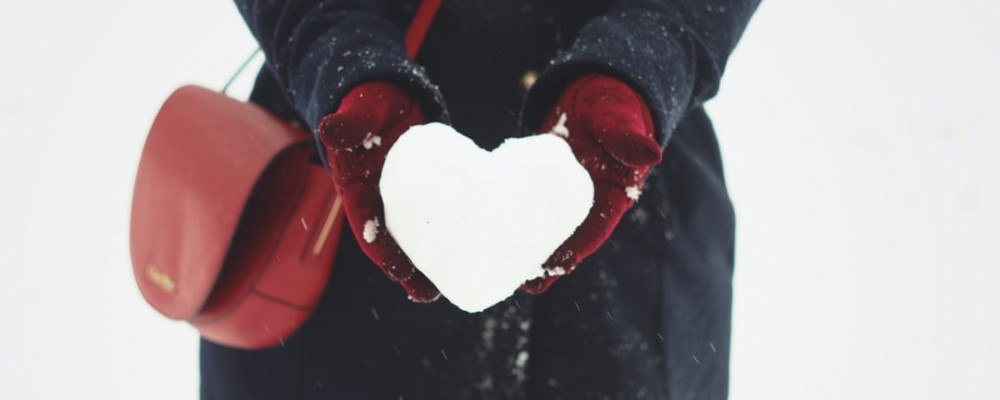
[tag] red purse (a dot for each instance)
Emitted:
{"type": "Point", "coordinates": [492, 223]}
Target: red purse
{"type": "Point", "coordinates": [233, 229]}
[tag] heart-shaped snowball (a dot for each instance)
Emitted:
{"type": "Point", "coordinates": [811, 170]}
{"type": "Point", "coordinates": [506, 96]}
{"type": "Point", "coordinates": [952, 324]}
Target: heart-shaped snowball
{"type": "Point", "coordinates": [481, 223]}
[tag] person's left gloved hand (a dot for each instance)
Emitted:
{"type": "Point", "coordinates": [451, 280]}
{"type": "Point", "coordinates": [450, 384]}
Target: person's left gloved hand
{"type": "Point", "coordinates": [356, 139]}
{"type": "Point", "coordinates": [609, 128]}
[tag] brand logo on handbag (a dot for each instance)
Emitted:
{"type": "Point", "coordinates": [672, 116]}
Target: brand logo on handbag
{"type": "Point", "coordinates": [160, 278]}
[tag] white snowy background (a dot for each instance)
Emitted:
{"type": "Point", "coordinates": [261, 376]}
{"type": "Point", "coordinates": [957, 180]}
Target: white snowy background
{"type": "Point", "coordinates": [861, 143]}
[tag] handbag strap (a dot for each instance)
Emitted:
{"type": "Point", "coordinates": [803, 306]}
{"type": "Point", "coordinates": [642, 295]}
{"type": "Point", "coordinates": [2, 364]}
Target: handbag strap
{"type": "Point", "coordinates": [421, 24]}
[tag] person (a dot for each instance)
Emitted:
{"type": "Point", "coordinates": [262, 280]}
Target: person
{"type": "Point", "coordinates": [635, 305]}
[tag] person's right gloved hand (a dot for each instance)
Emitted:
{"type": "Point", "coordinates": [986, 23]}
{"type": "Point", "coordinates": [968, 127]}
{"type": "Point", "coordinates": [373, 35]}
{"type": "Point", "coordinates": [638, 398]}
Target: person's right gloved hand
{"type": "Point", "coordinates": [610, 129]}
{"type": "Point", "coordinates": [356, 139]}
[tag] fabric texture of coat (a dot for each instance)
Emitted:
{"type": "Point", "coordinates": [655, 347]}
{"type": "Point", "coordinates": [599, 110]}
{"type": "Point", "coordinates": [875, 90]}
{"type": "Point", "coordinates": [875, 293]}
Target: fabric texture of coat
{"type": "Point", "coordinates": [646, 317]}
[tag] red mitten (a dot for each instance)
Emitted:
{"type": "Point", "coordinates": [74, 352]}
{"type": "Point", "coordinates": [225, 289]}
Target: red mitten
{"type": "Point", "coordinates": [356, 139]}
{"type": "Point", "coordinates": [610, 130]}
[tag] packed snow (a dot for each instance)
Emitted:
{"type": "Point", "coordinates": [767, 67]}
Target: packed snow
{"type": "Point", "coordinates": [371, 230]}
{"type": "Point", "coordinates": [477, 223]}
{"type": "Point", "coordinates": [560, 129]}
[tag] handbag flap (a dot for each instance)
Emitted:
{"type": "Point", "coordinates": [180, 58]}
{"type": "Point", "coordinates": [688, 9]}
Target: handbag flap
{"type": "Point", "coordinates": [203, 156]}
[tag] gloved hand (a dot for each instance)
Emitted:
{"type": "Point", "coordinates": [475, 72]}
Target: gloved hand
{"type": "Point", "coordinates": [356, 138]}
{"type": "Point", "coordinates": [610, 130]}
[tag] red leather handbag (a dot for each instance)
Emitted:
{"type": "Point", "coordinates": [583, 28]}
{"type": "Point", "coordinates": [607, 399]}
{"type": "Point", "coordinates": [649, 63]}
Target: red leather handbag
{"type": "Point", "coordinates": [233, 229]}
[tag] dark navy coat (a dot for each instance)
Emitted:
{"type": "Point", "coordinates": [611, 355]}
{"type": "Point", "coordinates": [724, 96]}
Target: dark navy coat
{"type": "Point", "coordinates": [646, 317]}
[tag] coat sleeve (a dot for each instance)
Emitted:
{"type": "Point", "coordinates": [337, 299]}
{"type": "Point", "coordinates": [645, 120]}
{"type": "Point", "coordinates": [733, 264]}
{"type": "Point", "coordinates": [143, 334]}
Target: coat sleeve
{"type": "Point", "coordinates": [673, 52]}
{"type": "Point", "coordinates": [318, 50]}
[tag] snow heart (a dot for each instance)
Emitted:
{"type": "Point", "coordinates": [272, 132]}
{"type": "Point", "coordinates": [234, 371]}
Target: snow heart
{"type": "Point", "coordinates": [477, 223]}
